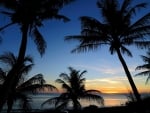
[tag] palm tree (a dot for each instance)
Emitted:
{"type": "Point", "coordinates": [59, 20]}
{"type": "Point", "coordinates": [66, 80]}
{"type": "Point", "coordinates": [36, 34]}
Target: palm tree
{"type": "Point", "coordinates": [74, 90]}
{"type": "Point", "coordinates": [145, 67]}
{"type": "Point", "coordinates": [29, 15]}
{"type": "Point", "coordinates": [22, 86]}
{"type": "Point", "coordinates": [116, 30]}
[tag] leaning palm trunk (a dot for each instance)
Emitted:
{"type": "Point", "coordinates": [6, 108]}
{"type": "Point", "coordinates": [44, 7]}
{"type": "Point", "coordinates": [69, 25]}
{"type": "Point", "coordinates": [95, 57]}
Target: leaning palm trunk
{"type": "Point", "coordinates": [14, 73]}
{"type": "Point", "coordinates": [132, 84]}
{"type": "Point", "coordinates": [8, 85]}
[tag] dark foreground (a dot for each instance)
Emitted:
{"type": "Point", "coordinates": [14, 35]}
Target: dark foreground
{"type": "Point", "coordinates": [117, 109]}
{"type": "Point", "coordinates": [131, 107]}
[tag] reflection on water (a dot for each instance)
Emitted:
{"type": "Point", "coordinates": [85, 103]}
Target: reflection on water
{"type": "Point", "coordinates": [115, 99]}
{"type": "Point", "coordinates": [109, 100]}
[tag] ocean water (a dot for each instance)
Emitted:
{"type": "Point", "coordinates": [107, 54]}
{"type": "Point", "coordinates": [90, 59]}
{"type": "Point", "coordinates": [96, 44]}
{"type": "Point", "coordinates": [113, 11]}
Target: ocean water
{"type": "Point", "coordinates": [109, 100]}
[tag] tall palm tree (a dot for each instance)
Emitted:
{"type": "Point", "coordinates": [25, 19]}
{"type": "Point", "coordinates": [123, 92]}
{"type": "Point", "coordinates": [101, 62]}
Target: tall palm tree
{"type": "Point", "coordinates": [145, 67]}
{"type": "Point", "coordinates": [116, 30]}
{"type": "Point", "coordinates": [74, 90]}
{"type": "Point", "coordinates": [29, 15]}
{"type": "Point", "coordinates": [22, 86]}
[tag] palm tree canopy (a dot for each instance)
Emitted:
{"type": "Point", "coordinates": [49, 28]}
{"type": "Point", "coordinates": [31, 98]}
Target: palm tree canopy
{"type": "Point", "coordinates": [35, 82]}
{"type": "Point", "coordinates": [33, 13]}
{"type": "Point", "coordinates": [10, 59]}
{"type": "Point", "coordinates": [74, 90]}
{"type": "Point", "coordinates": [22, 86]}
{"type": "Point", "coordinates": [145, 67]}
{"type": "Point", "coordinates": [116, 28]}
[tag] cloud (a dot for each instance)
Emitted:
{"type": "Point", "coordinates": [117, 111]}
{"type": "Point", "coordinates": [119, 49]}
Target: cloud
{"type": "Point", "coordinates": [104, 80]}
{"type": "Point", "coordinates": [103, 69]}
{"type": "Point", "coordinates": [108, 69]}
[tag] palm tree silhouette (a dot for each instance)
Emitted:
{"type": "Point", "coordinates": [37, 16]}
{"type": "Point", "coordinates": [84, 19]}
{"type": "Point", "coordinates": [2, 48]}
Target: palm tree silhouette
{"type": "Point", "coordinates": [29, 15]}
{"type": "Point", "coordinates": [117, 30]}
{"type": "Point", "coordinates": [74, 90]}
{"type": "Point", "coordinates": [22, 86]}
{"type": "Point", "coordinates": [145, 67]}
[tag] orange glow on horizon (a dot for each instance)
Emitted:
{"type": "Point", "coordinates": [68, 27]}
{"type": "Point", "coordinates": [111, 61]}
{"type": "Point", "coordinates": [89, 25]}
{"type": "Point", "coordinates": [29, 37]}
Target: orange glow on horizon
{"type": "Point", "coordinates": [119, 89]}
{"type": "Point", "coordinates": [110, 87]}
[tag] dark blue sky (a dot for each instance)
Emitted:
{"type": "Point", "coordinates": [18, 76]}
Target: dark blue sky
{"type": "Point", "coordinates": [104, 71]}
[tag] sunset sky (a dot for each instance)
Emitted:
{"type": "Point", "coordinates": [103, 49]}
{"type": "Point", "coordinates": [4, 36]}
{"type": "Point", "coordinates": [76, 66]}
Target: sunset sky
{"type": "Point", "coordinates": [104, 71]}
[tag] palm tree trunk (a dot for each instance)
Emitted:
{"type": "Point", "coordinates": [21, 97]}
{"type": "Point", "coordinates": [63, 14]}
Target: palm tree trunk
{"type": "Point", "coordinates": [12, 75]}
{"type": "Point", "coordinates": [23, 44]}
{"type": "Point", "coordinates": [134, 89]}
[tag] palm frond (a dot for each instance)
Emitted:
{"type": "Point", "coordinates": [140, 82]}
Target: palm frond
{"type": "Point", "coordinates": [62, 105]}
{"type": "Point", "coordinates": [66, 87]}
{"type": "Point", "coordinates": [134, 9]}
{"type": "Point", "coordinates": [25, 69]}
{"type": "Point", "coordinates": [36, 79]}
{"type": "Point", "coordinates": [144, 73]}
{"type": "Point", "coordinates": [145, 66]}
{"type": "Point", "coordinates": [93, 91]}
{"type": "Point", "coordinates": [139, 33]}
{"type": "Point", "coordinates": [28, 59]}
{"type": "Point", "coordinates": [4, 27]}
{"type": "Point", "coordinates": [39, 41]}
{"type": "Point", "coordinates": [141, 22]}
{"type": "Point", "coordinates": [147, 79]}
{"type": "Point", "coordinates": [145, 58]}
{"type": "Point", "coordinates": [85, 48]}
{"type": "Point", "coordinates": [49, 87]}
{"type": "Point", "coordinates": [91, 23]}
{"type": "Point", "coordinates": [124, 50]}
{"type": "Point", "coordinates": [87, 43]}
{"type": "Point", "coordinates": [82, 74]}
{"type": "Point", "coordinates": [8, 58]}
{"type": "Point", "coordinates": [125, 5]}
{"type": "Point", "coordinates": [130, 11]}
{"type": "Point", "coordinates": [36, 88]}
{"type": "Point", "coordinates": [61, 17]}
{"type": "Point", "coordinates": [142, 44]}
{"type": "Point", "coordinates": [75, 89]}
{"type": "Point", "coordinates": [60, 81]}
{"type": "Point", "coordinates": [51, 101]}
{"type": "Point", "coordinates": [64, 76]}
{"type": "Point", "coordinates": [93, 97]}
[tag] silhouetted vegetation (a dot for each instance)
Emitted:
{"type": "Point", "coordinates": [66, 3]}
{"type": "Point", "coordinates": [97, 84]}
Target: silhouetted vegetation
{"type": "Point", "coordinates": [22, 85]}
{"type": "Point", "coordinates": [145, 67]}
{"type": "Point", "coordinates": [116, 30]}
{"type": "Point", "coordinates": [74, 90]}
{"type": "Point", "coordinates": [29, 16]}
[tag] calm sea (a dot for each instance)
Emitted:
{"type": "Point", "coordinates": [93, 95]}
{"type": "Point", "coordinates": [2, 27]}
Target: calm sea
{"type": "Point", "coordinates": [109, 100]}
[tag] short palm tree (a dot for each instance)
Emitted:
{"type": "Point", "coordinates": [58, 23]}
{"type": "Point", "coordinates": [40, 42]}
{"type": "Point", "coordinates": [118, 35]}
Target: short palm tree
{"type": "Point", "coordinates": [145, 67]}
{"type": "Point", "coordinates": [74, 90]}
{"type": "Point", "coordinates": [22, 86]}
{"type": "Point", "coordinates": [29, 16]}
{"type": "Point", "coordinates": [116, 30]}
